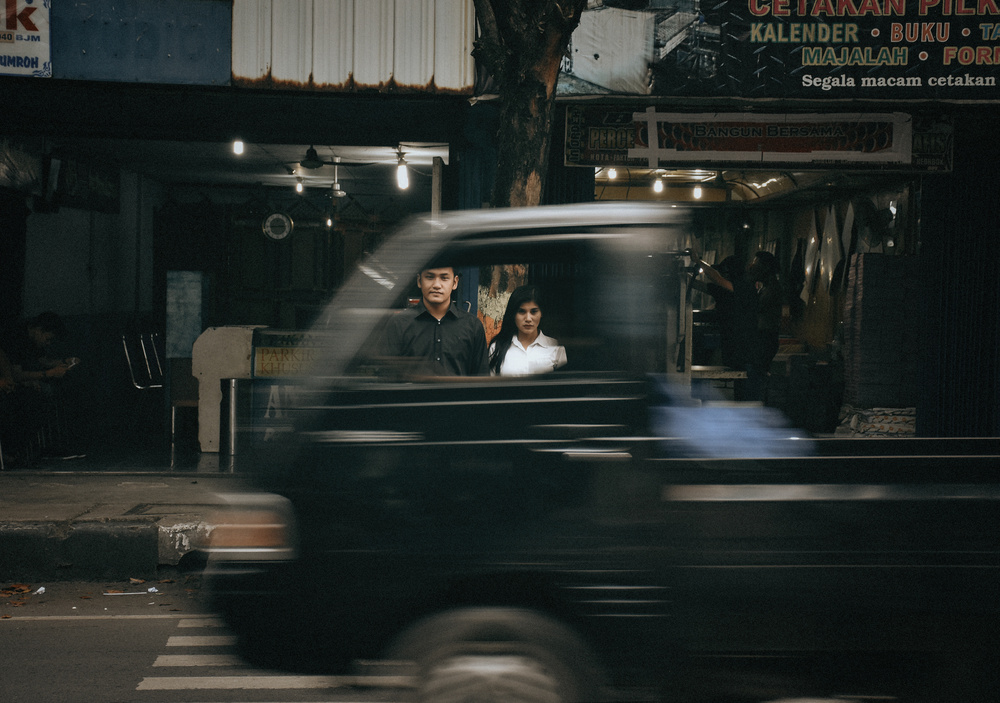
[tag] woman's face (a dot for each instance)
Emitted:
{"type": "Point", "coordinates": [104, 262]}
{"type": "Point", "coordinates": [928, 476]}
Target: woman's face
{"type": "Point", "coordinates": [527, 318]}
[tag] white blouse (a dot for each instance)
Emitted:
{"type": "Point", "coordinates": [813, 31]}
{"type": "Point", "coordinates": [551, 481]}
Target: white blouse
{"type": "Point", "coordinates": [542, 355]}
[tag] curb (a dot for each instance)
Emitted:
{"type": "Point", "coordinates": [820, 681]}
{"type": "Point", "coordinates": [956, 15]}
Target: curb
{"type": "Point", "coordinates": [107, 525]}
{"type": "Point", "coordinates": [96, 549]}
{"type": "Point", "coordinates": [80, 550]}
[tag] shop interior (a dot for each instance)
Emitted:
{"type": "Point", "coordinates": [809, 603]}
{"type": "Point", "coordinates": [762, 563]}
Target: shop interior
{"type": "Point", "coordinates": [271, 232]}
{"type": "Point", "coordinates": [847, 363]}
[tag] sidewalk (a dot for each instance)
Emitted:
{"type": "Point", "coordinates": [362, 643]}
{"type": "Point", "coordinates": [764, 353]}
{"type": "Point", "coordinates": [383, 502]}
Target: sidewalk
{"type": "Point", "coordinates": [106, 518]}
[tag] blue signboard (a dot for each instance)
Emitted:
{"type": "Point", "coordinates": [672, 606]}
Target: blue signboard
{"type": "Point", "coordinates": [168, 41]}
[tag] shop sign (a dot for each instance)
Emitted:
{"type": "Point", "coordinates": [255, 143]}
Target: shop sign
{"type": "Point", "coordinates": [600, 136]}
{"type": "Point", "coordinates": [24, 38]}
{"type": "Point", "coordinates": [278, 354]}
{"type": "Point", "coordinates": [817, 49]}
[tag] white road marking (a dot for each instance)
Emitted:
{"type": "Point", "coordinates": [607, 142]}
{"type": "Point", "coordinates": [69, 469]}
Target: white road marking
{"type": "Point", "coordinates": [23, 618]}
{"type": "Point", "coordinates": [198, 660]}
{"type": "Point", "coordinates": [181, 683]}
{"type": "Point", "coordinates": [201, 641]}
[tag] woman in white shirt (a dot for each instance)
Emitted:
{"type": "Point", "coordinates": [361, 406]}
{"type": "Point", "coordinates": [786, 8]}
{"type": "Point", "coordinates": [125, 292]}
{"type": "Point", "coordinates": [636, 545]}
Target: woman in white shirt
{"type": "Point", "coordinates": [520, 348]}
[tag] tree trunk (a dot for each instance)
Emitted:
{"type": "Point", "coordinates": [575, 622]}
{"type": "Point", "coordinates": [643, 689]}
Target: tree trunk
{"type": "Point", "coordinates": [522, 45]}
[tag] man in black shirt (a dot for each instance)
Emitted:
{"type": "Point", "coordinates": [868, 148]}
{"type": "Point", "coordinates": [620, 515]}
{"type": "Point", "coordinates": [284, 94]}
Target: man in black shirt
{"type": "Point", "coordinates": [452, 341]}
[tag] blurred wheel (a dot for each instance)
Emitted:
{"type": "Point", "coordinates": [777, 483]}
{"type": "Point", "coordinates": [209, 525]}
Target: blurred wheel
{"type": "Point", "coordinates": [486, 655]}
{"type": "Point", "coordinates": [489, 679]}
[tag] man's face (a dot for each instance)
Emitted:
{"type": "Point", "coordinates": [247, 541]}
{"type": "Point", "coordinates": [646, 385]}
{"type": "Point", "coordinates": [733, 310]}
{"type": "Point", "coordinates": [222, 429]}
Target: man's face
{"type": "Point", "coordinates": [41, 337]}
{"type": "Point", "coordinates": [436, 285]}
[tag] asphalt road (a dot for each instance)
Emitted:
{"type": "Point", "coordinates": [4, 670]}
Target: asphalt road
{"type": "Point", "coordinates": [112, 642]}
{"type": "Point", "coordinates": [138, 641]}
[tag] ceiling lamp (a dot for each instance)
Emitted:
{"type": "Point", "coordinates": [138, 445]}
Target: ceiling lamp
{"type": "Point", "coordinates": [697, 192]}
{"type": "Point", "coordinates": [298, 185]}
{"type": "Point", "coordinates": [612, 174]}
{"type": "Point", "coordinates": [402, 177]}
{"type": "Point", "coordinates": [658, 185]}
{"type": "Point", "coordinates": [238, 147]}
{"type": "Point", "coordinates": [311, 160]}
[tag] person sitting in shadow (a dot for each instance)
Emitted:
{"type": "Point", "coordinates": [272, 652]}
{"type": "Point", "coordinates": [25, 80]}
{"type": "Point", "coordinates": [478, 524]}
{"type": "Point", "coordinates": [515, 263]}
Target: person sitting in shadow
{"type": "Point", "coordinates": [40, 399]}
{"type": "Point", "coordinates": [23, 412]}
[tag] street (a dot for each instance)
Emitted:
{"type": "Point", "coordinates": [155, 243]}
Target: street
{"type": "Point", "coordinates": [155, 642]}
{"type": "Point", "coordinates": [120, 642]}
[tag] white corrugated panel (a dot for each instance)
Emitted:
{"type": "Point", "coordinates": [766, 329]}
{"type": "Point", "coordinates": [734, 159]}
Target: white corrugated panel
{"type": "Point", "coordinates": [333, 43]}
{"type": "Point", "coordinates": [373, 36]}
{"type": "Point", "coordinates": [413, 50]}
{"type": "Point", "coordinates": [345, 44]}
{"type": "Point", "coordinates": [292, 41]}
{"type": "Point", "coordinates": [613, 48]}
{"type": "Point", "coordinates": [251, 39]}
{"type": "Point", "coordinates": [454, 67]}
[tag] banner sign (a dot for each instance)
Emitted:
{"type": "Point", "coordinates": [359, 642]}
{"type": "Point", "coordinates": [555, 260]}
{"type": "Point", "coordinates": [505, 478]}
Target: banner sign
{"type": "Point", "coordinates": [279, 353]}
{"type": "Point", "coordinates": [24, 38]}
{"type": "Point", "coordinates": [820, 49]}
{"type": "Point", "coordinates": [599, 136]}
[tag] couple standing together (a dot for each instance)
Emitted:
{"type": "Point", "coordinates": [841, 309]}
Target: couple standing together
{"type": "Point", "coordinates": [454, 342]}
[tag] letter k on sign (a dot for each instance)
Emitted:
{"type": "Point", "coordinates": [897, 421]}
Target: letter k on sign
{"type": "Point", "coordinates": [24, 17]}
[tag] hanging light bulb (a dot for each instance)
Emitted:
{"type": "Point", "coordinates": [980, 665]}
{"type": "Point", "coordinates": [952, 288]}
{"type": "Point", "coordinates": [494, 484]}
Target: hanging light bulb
{"type": "Point", "coordinates": [238, 147]}
{"type": "Point", "coordinates": [329, 222]}
{"type": "Point", "coordinates": [697, 192]}
{"type": "Point", "coordinates": [658, 185]}
{"type": "Point", "coordinates": [402, 177]}
{"type": "Point", "coordinates": [612, 174]}
{"type": "Point", "coordinates": [298, 186]}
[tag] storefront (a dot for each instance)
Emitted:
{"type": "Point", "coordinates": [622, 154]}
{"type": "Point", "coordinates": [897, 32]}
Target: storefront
{"type": "Point", "coordinates": [853, 143]}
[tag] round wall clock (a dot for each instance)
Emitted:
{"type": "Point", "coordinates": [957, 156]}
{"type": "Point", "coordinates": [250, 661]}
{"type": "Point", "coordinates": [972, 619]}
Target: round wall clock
{"type": "Point", "coordinates": [278, 225]}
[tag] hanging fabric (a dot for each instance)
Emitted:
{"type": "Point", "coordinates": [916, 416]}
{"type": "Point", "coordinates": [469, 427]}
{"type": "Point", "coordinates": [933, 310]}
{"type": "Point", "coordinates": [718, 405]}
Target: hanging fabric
{"type": "Point", "coordinates": [811, 258]}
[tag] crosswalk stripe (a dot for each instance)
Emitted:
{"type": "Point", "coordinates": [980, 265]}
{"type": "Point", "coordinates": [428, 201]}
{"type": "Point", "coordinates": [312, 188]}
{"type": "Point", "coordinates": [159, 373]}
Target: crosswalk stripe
{"type": "Point", "coordinates": [201, 641]}
{"type": "Point", "coordinates": [201, 622]}
{"type": "Point", "coordinates": [198, 660]}
{"type": "Point", "coordinates": [180, 683]}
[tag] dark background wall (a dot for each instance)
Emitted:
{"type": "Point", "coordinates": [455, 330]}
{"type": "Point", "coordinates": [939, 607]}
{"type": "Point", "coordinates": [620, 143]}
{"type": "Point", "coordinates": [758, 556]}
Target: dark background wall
{"type": "Point", "coordinates": [960, 288]}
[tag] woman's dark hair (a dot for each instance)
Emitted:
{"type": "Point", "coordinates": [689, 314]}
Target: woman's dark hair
{"type": "Point", "coordinates": [508, 328]}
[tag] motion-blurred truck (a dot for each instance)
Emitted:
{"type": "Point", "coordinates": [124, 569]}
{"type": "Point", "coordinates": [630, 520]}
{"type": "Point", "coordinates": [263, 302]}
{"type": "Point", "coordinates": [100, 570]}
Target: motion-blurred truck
{"type": "Point", "coordinates": [594, 533]}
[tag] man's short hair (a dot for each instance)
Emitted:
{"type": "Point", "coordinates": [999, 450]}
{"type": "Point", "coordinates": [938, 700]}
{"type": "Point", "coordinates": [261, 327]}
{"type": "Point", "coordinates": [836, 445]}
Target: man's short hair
{"type": "Point", "coordinates": [48, 322]}
{"type": "Point", "coordinates": [428, 267]}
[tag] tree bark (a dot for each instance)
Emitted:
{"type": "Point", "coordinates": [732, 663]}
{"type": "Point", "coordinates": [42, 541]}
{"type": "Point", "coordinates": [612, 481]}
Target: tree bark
{"type": "Point", "coordinates": [522, 44]}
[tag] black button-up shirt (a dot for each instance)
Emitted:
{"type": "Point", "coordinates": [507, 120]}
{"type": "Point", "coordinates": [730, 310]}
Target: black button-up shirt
{"type": "Point", "coordinates": [455, 345]}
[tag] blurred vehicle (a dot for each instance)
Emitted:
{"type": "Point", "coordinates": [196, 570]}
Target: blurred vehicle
{"type": "Point", "coordinates": [586, 534]}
